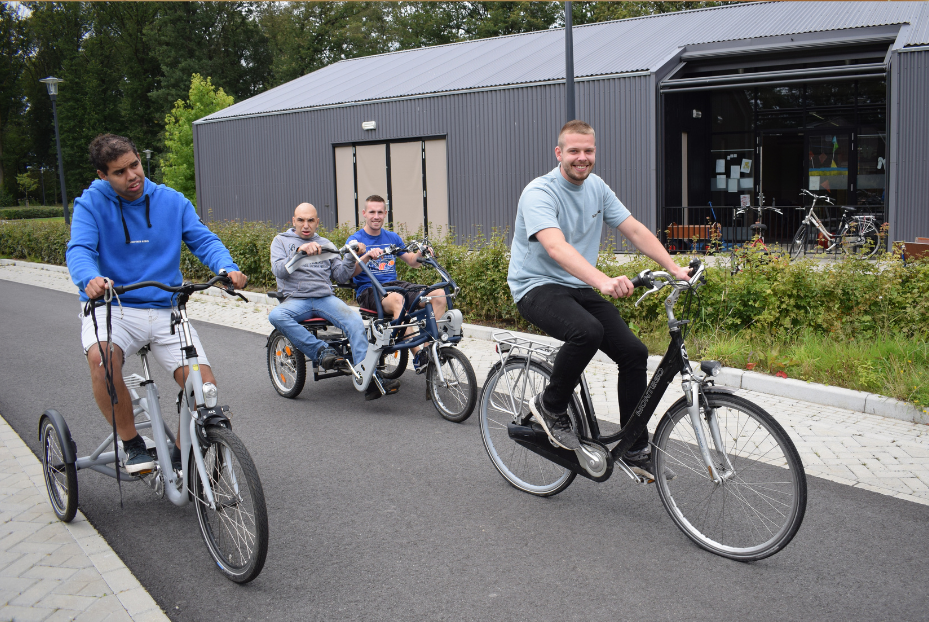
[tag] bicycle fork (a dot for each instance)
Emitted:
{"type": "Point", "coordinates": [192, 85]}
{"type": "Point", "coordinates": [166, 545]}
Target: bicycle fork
{"type": "Point", "coordinates": [721, 469]}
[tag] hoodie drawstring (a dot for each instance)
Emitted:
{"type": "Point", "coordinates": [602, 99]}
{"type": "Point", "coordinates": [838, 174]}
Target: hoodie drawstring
{"type": "Point", "coordinates": [125, 228]}
{"type": "Point", "coordinates": [148, 220]}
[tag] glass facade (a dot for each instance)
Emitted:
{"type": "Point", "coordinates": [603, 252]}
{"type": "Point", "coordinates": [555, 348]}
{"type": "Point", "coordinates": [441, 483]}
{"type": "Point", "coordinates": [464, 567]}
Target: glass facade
{"type": "Point", "coordinates": [762, 145]}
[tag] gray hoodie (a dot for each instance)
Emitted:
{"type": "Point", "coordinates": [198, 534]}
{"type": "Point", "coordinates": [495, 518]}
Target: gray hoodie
{"type": "Point", "coordinates": [310, 280]}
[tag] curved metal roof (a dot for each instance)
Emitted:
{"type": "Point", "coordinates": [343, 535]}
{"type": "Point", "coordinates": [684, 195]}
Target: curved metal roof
{"type": "Point", "coordinates": [624, 46]}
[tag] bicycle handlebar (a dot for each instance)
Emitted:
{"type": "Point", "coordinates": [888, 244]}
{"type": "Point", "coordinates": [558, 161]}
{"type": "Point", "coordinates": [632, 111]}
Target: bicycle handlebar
{"type": "Point", "coordinates": [816, 196]}
{"type": "Point", "coordinates": [220, 281]}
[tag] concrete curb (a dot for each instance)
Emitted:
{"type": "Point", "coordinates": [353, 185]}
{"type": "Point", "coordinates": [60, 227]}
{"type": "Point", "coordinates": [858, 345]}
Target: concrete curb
{"type": "Point", "coordinates": [870, 403]}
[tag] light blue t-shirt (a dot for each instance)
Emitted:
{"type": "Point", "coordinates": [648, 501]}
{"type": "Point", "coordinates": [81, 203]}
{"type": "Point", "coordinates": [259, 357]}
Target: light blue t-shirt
{"type": "Point", "coordinates": [579, 211]}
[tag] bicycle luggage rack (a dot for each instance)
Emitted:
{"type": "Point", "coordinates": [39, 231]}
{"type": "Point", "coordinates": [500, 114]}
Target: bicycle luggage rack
{"type": "Point", "coordinates": [508, 343]}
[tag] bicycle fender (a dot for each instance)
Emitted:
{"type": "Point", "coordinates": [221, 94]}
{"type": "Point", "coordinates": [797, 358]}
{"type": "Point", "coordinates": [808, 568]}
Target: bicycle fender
{"type": "Point", "coordinates": [69, 447]}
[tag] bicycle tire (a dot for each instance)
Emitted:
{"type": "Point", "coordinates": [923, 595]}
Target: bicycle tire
{"type": "Point", "coordinates": [392, 364]}
{"type": "Point", "coordinates": [522, 468]}
{"type": "Point", "coordinates": [756, 510]}
{"type": "Point", "coordinates": [236, 532]}
{"type": "Point", "coordinates": [60, 476]}
{"type": "Point", "coordinates": [863, 244]}
{"type": "Point", "coordinates": [454, 399]}
{"type": "Point", "coordinates": [798, 243]}
{"type": "Point", "coordinates": [286, 366]}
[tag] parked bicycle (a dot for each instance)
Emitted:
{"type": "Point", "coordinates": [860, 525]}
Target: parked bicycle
{"type": "Point", "coordinates": [738, 487]}
{"type": "Point", "coordinates": [450, 381]}
{"type": "Point", "coordinates": [856, 235]}
{"type": "Point", "coordinates": [741, 255]}
{"type": "Point", "coordinates": [217, 473]}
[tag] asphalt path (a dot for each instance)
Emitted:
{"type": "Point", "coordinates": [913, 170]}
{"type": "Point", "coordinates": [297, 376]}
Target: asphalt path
{"type": "Point", "coordinates": [384, 511]}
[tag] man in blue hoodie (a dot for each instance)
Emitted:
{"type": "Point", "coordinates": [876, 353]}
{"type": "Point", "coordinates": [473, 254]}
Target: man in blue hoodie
{"type": "Point", "coordinates": [127, 229]}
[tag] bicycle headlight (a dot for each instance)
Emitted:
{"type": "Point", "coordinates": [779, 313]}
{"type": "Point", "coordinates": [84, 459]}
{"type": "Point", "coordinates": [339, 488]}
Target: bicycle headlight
{"type": "Point", "coordinates": [210, 394]}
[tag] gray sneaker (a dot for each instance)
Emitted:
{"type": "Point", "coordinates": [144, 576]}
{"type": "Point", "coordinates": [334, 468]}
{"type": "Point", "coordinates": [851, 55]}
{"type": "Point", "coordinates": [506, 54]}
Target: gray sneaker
{"type": "Point", "coordinates": [641, 464]}
{"type": "Point", "coordinates": [557, 426]}
{"type": "Point", "coordinates": [138, 459]}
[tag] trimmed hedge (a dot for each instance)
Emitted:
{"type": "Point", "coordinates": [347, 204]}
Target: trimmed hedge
{"type": "Point", "coordinates": [24, 213]}
{"type": "Point", "coordinates": [776, 297]}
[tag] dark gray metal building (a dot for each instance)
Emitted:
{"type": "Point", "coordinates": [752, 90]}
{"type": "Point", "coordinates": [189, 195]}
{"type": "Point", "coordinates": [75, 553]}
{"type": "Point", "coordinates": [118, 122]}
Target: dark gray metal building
{"type": "Point", "coordinates": [696, 112]}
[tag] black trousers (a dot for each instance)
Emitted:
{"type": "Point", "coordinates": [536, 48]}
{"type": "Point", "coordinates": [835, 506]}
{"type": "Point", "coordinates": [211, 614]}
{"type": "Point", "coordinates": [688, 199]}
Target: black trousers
{"type": "Point", "coordinates": [586, 323]}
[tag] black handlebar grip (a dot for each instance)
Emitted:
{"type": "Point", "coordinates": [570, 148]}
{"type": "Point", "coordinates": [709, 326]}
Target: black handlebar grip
{"type": "Point", "coordinates": [638, 281]}
{"type": "Point", "coordinates": [420, 260]}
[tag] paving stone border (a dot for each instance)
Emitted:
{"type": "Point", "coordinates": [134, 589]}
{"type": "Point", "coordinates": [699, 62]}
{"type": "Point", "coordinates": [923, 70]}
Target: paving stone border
{"type": "Point", "coordinates": [50, 570]}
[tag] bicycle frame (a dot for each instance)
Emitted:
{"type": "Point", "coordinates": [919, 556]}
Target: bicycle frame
{"type": "Point", "coordinates": [177, 489]}
{"type": "Point", "coordinates": [382, 332]}
{"type": "Point", "coordinates": [675, 361]}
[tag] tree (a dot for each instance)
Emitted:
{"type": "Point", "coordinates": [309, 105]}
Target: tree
{"type": "Point", "coordinates": [217, 39]}
{"type": "Point", "coordinates": [27, 183]}
{"type": "Point", "coordinates": [306, 36]}
{"type": "Point", "coordinates": [593, 12]}
{"type": "Point", "coordinates": [13, 45]}
{"type": "Point", "coordinates": [178, 164]}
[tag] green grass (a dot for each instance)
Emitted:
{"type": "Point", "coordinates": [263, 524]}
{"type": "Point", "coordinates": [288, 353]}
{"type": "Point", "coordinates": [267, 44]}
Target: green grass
{"type": "Point", "coordinates": [893, 365]}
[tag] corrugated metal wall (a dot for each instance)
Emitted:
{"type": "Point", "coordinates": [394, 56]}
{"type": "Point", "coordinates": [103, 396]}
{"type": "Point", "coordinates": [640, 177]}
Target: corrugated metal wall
{"type": "Point", "coordinates": [260, 168]}
{"type": "Point", "coordinates": [909, 213]}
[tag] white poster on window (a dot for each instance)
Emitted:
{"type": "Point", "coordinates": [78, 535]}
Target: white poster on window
{"type": "Point", "coordinates": [732, 185]}
{"type": "Point", "coordinates": [720, 166]}
{"type": "Point", "coordinates": [745, 200]}
{"type": "Point", "coordinates": [746, 166]}
{"type": "Point", "coordinates": [720, 182]}
{"type": "Point", "coordinates": [814, 182]}
{"type": "Point", "coordinates": [734, 171]}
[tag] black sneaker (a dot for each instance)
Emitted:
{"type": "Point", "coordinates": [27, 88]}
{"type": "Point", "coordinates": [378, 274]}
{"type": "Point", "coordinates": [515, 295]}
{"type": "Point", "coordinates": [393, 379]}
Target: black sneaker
{"type": "Point", "coordinates": [557, 426]}
{"type": "Point", "coordinates": [176, 462]}
{"type": "Point", "coordinates": [329, 359]}
{"type": "Point", "coordinates": [138, 460]}
{"type": "Point", "coordinates": [641, 464]}
{"type": "Point", "coordinates": [373, 393]}
{"type": "Point", "coordinates": [420, 361]}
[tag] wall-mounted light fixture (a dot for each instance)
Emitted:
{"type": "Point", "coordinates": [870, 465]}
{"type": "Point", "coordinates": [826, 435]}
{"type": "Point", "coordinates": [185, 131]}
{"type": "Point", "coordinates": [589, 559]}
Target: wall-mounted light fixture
{"type": "Point", "coordinates": [369, 125]}
{"type": "Point", "coordinates": [697, 114]}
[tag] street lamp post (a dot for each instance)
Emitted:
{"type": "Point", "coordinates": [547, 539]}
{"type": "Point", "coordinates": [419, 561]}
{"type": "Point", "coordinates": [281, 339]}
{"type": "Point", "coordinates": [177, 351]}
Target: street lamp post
{"type": "Point", "coordinates": [42, 177]}
{"type": "Point", "coordinates": [52, 85]}
{"type": "Point", "coordinates": [569, 61]}
{"type": "Point", "coordinates": [148, 161]}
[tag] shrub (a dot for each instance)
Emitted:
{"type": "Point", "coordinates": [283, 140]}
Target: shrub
{"type": "Point", "coordinates": [7, 199]}
{"type": "Point", "coordinates": [776, 298]}
{"type": "Point", "coordinates": [24, 213]}
{"type": "Point", "coordinates": [43, 241]}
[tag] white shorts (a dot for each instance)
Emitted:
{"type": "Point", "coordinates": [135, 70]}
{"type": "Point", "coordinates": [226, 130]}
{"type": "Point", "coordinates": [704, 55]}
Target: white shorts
{"type": "Point", "coordinates": [134, 328]}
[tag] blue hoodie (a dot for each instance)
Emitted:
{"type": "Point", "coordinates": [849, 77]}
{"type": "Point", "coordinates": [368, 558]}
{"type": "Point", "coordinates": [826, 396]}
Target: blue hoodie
{"type": "Point", "coordinates": [138, 241]}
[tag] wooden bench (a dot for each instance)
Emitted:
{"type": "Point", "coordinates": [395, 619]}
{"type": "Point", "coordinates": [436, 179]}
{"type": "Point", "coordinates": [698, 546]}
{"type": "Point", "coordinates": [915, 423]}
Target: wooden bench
{"type": "Point", "coordinates": [688, 233]}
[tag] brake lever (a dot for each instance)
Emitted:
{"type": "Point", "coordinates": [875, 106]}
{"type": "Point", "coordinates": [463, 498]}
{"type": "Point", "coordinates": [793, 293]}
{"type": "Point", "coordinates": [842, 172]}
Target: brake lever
{"type": "Point", "coordinates": [655, 288]}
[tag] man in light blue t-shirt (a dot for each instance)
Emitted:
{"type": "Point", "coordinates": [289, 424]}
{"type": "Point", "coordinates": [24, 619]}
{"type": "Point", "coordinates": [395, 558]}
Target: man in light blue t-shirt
{"type": "Point", "coordinates": [383, 266]}
{"type": "Point", "coordinates": [555, 283]}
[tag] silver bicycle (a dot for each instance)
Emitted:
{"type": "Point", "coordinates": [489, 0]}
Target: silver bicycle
{"type": "Point", "coordinates": [217, 473]}
{"type": "Point", "coordinates": [856, 235]}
